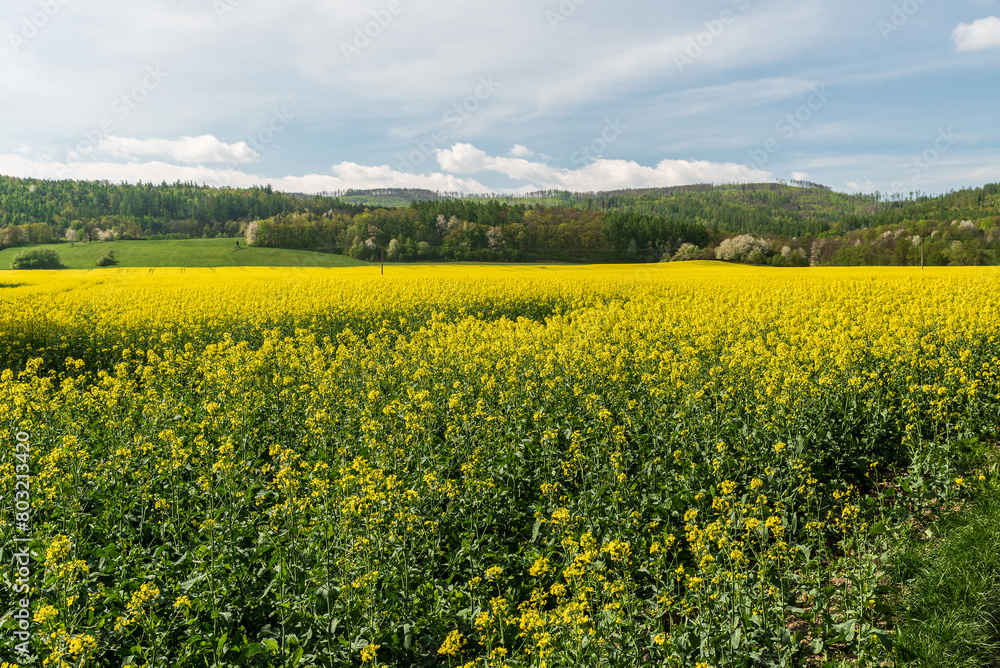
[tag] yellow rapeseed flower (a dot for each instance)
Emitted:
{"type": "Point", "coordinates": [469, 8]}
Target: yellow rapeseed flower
{"type": "Point", "coordinates": [452, 645]}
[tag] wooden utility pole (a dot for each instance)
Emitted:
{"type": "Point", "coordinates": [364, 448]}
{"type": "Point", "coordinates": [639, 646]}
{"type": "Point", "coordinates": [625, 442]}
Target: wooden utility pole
{"type": "Point", "coordinates": [921, 253]}
{"type": "Point", "coordinates": [383, 262]}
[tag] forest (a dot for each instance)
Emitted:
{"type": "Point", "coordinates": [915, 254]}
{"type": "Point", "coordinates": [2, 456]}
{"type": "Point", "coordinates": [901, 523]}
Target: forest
{"type": "Point", "coordinates": [141, 211]}
{"type": "Point", "coordinates": [463, 230]}
{"type": "Point", "coordinates": [41, 212]}
{"type": "Point", "coordinates": [770, 223]}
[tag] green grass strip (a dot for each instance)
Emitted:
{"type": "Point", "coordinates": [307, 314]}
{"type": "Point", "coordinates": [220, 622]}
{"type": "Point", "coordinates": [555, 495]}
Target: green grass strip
{"type": "Point", "coordinates": [185, 253]}
{"type": "Point", "coordinates": [950, 598]}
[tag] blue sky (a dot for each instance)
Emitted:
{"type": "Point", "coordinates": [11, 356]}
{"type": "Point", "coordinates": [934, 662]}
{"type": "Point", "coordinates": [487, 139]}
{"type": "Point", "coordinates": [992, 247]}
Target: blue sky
{"type": "Point", "coordinates": [518, 95]}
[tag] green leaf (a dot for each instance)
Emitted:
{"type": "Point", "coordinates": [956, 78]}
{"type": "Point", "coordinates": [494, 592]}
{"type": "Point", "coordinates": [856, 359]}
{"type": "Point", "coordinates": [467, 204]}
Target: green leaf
{"type": "Point", "coordinates": [248, 651]}
{"type": "Point", "coordinates": [187, 584]}
{"type": "Point", "coordinates": [846, 629]}
{"type": "Point", "coordinates": [885, 638]}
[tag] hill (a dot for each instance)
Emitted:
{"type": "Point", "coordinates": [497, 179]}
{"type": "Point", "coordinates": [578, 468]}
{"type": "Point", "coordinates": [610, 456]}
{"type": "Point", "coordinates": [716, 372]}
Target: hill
{"type": "Point", "coordinates": [778, 209]}
{"type": "Point", "coordinates": [145, 209]}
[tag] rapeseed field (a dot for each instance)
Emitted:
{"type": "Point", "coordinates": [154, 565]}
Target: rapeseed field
{"type": "Point", "coordinates": [681, 465]}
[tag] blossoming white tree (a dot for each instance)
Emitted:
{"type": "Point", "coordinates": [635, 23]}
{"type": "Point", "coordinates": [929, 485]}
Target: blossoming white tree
{"type": "Point", "coordinates": [739, 249]}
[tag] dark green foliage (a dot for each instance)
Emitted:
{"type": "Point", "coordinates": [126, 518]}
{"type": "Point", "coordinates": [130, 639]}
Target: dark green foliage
{"type": "Point", "coordinates": [651, 232]}
{"type": "Point", "coordinates": [39, 258]}
{"type": "Point", "coordinates": [107, 259]}
{"type": "Point", "coordinates": [487, 231]}
{"type": "Point", "coordinates": [48, 208]}
{"type": "Point", "coordinates": [765, 208]}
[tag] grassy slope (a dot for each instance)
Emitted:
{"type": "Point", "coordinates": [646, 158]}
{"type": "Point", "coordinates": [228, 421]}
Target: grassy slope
{"type": "Point", "coordinates": [186, 253]}
{"type": "Point", "coordinates": [376, 201]}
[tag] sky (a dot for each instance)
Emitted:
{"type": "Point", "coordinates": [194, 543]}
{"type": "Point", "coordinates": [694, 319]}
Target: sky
{"type": "Point", "coordinates": [896, 96]}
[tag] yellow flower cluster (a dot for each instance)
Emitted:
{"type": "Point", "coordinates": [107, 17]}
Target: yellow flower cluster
{"type": "Point", "coordinates": [135, 611]}
{"type": "Point", "coordinates": [452, 645]}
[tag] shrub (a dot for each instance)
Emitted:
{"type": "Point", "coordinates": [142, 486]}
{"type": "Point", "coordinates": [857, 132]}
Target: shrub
{"type": "Point", "coordinates": [107, 259]}
{"type": "Point", "coordinates": [684, 252]}
{"type": "Point", "coordinates": [797, 258]}
{"type": "Point", "coordinates": [40, 258]}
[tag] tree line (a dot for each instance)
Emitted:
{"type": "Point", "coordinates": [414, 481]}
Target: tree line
{"type": "Point", "coordinates": [42, 211]}
{"type": "Point", "coordinates": [759, 223]}
{"type": "Point", "coordinates": [490, 231]}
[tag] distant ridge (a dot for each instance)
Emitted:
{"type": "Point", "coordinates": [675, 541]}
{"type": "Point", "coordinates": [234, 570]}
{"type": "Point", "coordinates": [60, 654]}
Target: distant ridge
{"type": "Point", "coordinates": [404, 196]}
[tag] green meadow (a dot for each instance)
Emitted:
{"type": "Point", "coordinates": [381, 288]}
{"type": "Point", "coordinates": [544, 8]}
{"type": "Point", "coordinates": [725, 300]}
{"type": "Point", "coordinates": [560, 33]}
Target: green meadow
{"type": "Point", "coordinates": [185, 253]}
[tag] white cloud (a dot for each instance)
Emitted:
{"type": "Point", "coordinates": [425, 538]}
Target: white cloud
{"type": "Point", "coordinates": [344, 175]}
{"type": "Point", "coordinates": [800, 176]}
{"type": "Point", "coordinates": [600, 174]}
{"type": "Point", "coordinates": [22, 149]}
{"type": "Point", "coordinates": [459, 159]}
{"type": "Point", "coordinates": [978, 35]}
{"type": "Point", "coordinates": [519, 151]}
{"type": "Point", "coordinates": [865, 185]}
{"type": "Point", "coordinates": [191, 150]}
